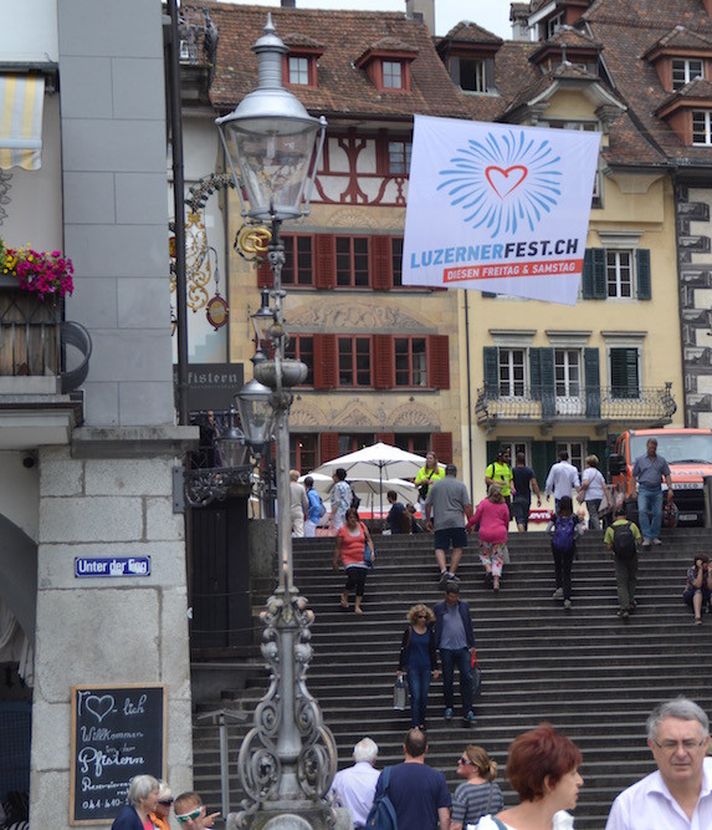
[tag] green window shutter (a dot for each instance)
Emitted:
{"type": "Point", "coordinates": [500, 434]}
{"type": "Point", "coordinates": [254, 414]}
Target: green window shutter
{"type": "Point", "coordinates": [535, 373]}
{"type": "Point", "coordinates": [624, 373]}
{"type": "Point", "coordinates": [491, 358]}
{"type": "Point", "coordinates": [642, 274]}
{"type": "Point", "coordinates": [543, 456]}
{"type": "Point", "coordinates": [548, 386]}
{"type": "Point", "coordinates": [592, 377]}
{"type": "Point", "coordinates": [492, 447]}
{"type": "Point", "coordinates": [489, 295]}
{"type": "Point", "coordinates": [587, 278]}
{"type": "Point", "coordinates": [600, 282]}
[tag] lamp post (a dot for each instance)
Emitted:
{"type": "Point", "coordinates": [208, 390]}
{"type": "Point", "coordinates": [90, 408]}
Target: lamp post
{"type": "Point", "coordinates": [288, 759]}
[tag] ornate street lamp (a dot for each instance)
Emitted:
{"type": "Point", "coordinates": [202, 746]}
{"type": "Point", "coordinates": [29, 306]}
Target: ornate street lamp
{"type": "Point", "coordinates": [288, 759]}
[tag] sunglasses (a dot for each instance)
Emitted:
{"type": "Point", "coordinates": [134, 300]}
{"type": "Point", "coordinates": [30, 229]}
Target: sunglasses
{"type": "Point", "coordinates": [421, 616]}
{"type": "Point", "coordinates": [165, 801]}
{"type": "Point", "coordinates": [464, 761]}
{"type": "Point", "coordinates": [185, 817]}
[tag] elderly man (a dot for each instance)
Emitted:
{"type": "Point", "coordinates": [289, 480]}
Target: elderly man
{"type": "Point", "coordinates": [298, 504]}
{"type": "Point", "coordinates": [354, 787]}
{"type": "Point", "coordinates": [679, 795]}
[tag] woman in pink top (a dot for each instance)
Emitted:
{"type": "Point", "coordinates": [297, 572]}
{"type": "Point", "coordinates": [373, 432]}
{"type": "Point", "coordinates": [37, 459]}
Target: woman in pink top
{"type": "Point", "coordinates": [492, 518]}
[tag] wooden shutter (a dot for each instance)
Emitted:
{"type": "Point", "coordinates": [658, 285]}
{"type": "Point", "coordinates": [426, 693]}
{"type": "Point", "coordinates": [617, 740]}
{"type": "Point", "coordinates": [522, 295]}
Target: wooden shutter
{"type": "Point", "coordinates": [491, 359]}
{"type": "Point", "coordinates": [489, 75]}
{"type": "Point", "coordinates": [264, 274]}
{"type": "Point", "coordinates": [439, 361]}
{"type": "Point", "coordinates": [489, 295]}
{"type": "Point", "coordinates": [600, 282]}
{"type": "Point", "coordinates": [384, 366]}
{"type": "Point", "coordinates": [543, 456]}
{"type": "Point", "coordinates": [386, 438]}
{"type": "Point", "coordinates": [324, 261]}
{"type": "Point", "coordinates": [325, 361]}
{"type": "Point", "coordinates": [381, 263]}
{"type": "Point", "coordinates": [328, 446]}
{"type": "Point", "coordinates": [382, 153]}
{"type": "Point", "coordinates": [492, 449]}
{"type": "Point", "coordinates": [587, 278]}
{"type": "Point", "coordinates": [535, 374]}
{"type": "Point", "coordinates": [624, 373]}
{"type": "Point", "coordinates": [453, 66]}
{"type": "Point", "coordinates": [600, 450]}
{"type": "Point", "coordinates": [441, 443]}
{"type": "Point", "coordinates": [642, 274]}
{"type": "Point", "coordinates": [548, 384]}
{"type": "Point", "coordinates": [592, 375]}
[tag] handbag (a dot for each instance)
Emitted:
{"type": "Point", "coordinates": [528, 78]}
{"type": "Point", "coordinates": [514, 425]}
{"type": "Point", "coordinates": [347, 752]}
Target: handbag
{"type": "Point", "coordinates": [476, 676]}
{"type": "Point", "coordinates": [400, 695]}
{"type": "Point", "coordinates": [470, 825]}
{"type": "Point", "coordinates": [367, 556]}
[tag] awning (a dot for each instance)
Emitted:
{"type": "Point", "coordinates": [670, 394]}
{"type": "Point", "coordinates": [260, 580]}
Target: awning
{"type": "Point", "coordinates": [21, 101]}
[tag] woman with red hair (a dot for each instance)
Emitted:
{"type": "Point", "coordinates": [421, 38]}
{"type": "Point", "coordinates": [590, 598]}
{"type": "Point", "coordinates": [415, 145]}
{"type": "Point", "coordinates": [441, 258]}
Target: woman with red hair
{"type": "Point", "coordinates": [542, 766]}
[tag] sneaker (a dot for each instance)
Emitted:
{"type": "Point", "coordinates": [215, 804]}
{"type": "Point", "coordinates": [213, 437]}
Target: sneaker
{"type": "Point", "coordinates": [623, 613]}
{"type": "Point", "coordinates": [558, 594]}
{"type": "Point", "coordinates": [469, 718]}
{"type": "Point", "coordinates": [451, 577]}
{"type": "Point", "coordinates": [568, 604]}
{"type": "Point", "coordinates": [657, 541]}
{"type": "Point", "coordinates": [443, 579]}
{"type": "Point", "coordinates": [448, 713]}
{"type": "Point", "coordinates": [646, 543]}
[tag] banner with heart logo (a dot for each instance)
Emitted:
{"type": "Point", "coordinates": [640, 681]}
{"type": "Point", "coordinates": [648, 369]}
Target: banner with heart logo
{"type": "Point", "coordinates": [499, 208]}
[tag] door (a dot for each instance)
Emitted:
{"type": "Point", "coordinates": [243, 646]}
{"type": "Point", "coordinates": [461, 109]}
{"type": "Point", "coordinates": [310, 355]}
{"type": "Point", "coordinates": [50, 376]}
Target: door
{"type": "Point", "coordinates": [567, 373]}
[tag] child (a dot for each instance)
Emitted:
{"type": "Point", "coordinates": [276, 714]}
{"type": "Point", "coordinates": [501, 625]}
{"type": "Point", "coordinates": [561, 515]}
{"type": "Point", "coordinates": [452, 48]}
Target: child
{"type": "Point", "coordinates": [563, 527]}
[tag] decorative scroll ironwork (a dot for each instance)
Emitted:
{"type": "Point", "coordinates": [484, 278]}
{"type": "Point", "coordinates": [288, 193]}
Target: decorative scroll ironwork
{"type": "Point", "coordinates": [287, 627]}
{"type": "Point", "coordinates": [654, 405]}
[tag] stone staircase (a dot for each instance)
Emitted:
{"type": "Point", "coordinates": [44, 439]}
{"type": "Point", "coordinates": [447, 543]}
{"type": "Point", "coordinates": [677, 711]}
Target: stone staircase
{"type": "Point", "coordinates": [593, 676]}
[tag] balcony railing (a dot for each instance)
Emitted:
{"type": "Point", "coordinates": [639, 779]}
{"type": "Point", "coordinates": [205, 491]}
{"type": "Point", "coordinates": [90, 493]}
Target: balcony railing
{"type": "Point", "coordinates": [34, 341]}
{"type": "Point", "coordinates": [592, 405]}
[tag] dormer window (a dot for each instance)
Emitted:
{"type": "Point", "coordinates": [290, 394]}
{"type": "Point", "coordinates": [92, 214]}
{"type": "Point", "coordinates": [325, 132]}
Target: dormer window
{"type": "Point", "coordinates": [553, 24]}
{"type": "Point", "coordinates": [392, 75]}
{"type": "Point", "coordinates": [473, 77]}
{"type": "Point", "coordinates": [685, 70]}
{"type": "Point", "coordinates": [702, 128]}
{"type": "Point", "coordinates": [298, 69]}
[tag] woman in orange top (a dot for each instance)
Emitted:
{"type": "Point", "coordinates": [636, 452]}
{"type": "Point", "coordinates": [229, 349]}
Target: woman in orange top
{"type": "Point", "coordinates": [160, 816]}
{"type": "Point", "coordinates": [351, 541]}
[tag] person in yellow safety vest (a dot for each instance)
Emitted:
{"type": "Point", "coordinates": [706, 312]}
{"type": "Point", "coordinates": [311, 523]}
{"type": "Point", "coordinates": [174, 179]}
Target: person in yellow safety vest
{"type": "Point", "coordinates": [499, 473]}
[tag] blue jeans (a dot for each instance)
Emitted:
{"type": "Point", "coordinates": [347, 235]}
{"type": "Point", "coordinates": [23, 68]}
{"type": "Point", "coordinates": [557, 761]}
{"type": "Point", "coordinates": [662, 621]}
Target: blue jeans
{"type": "Point", "coordinates": [461, 658]}
{"type": "Point", "coordinates": [419, 685]}
{"type": "Point", "coordinates": [650, 510]}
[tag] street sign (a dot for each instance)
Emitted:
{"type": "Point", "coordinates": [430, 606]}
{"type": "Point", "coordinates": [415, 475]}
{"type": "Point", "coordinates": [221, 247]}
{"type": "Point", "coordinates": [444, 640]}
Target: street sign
{"type": "Point", "coordinates": [86, 566]}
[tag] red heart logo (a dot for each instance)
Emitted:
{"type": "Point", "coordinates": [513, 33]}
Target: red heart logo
{"type": "Point", "coordinates": [502, 181]}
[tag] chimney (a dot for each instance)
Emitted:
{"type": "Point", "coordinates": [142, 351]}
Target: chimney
{"type": "Point", "coordinates": [519, 15]}
{"type": "Point", "coordinates": [288, 4]}
{"type": "Point", "coordinates": [423, 10]}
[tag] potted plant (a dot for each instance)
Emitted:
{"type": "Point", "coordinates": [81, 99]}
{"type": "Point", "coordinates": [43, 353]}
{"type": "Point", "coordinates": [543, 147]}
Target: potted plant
{"type": "Point", "coordinates": [45, 274]}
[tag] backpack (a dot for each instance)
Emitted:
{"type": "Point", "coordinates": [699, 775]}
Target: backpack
{"type": "Point", "coordinates": [564, 533]}
{"type": "Point", "coordinates": [322, 509]}
{"type": "Point", "coordinates": [624, 541]}
{"type": "Point", "coordinates": [355, 500]}
{"type": "Point", "coordinates": [382, 815]}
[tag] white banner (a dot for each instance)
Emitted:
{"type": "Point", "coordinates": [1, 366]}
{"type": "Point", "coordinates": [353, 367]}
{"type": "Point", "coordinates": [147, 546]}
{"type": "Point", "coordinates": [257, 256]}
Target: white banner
{"type": "Point", "coordinates": [499, 207]}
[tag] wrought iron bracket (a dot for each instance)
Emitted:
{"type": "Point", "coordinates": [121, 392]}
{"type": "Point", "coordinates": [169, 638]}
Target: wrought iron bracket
{"type": "Point", "coordinates": [198, 488]}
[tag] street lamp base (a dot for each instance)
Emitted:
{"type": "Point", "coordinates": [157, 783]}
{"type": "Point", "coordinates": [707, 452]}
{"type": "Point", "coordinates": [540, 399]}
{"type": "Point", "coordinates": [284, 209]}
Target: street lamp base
{"type": "Point", "coordinates": [310, 817]}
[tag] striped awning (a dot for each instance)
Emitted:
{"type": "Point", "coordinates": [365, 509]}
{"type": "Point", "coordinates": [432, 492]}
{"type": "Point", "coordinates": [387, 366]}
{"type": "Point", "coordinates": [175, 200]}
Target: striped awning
{"type": "Point", "coordinates": [21, 101]}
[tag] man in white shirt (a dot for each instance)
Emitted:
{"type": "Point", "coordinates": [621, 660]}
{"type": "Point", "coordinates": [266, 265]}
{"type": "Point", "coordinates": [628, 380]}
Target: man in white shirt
{"type": "Point", "coordinates": [562, 479]}
{"type": "Point", "coordinates": [354, 787]}
{"type": "Point", "coordinates": [679, 795]}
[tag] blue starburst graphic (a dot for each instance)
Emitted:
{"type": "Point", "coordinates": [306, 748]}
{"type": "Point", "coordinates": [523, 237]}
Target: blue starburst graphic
{"type": "Point", "coordinates": [504, 182]}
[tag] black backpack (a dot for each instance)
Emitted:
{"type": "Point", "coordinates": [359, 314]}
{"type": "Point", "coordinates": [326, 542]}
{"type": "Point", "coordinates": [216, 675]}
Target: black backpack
{"type": "Point", "coordinates": [355, 500]}
{"type": "Point", "coordinates": [624, 541]}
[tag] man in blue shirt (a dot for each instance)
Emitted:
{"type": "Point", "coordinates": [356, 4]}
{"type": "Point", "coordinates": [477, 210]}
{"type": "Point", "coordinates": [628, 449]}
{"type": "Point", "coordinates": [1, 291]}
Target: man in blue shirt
{"type": "Point", "coordinates": [418, 793]}
{"type": "Point", "coordinates": [315, 509]}
{"type": "Point", "coordinates": [455, 640]}
{"type": "Point", "coordinates": [648, 471]}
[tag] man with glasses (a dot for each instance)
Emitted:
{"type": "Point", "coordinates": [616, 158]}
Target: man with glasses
{"type": "Point", "coordinates": [679, 795]}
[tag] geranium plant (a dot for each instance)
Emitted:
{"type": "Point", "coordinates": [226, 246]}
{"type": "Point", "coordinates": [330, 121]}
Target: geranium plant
{"type": "Point", "coordinates": [47, 274]}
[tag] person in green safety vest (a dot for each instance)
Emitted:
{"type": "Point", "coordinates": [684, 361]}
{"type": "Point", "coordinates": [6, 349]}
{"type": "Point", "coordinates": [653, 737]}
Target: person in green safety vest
{"type": "Point", "coordinates": [499, 473]}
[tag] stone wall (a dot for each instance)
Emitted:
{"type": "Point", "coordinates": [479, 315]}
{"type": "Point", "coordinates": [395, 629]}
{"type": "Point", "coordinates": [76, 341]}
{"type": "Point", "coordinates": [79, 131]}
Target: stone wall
{"type": "Point", "coordinates": [106, 630]}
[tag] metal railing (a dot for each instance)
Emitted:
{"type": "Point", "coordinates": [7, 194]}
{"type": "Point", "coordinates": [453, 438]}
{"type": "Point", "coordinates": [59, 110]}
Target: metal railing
{"type": "Point", "coordinates": [594, 404]}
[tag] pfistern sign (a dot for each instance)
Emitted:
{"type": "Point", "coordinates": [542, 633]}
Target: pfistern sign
{"type": "Point", "coordinates": [499, 208]}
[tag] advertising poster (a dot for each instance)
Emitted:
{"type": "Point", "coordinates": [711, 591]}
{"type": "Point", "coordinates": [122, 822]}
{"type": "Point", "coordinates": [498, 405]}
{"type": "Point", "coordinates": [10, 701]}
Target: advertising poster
{"type": "Point", "coordinates": [499, 208]}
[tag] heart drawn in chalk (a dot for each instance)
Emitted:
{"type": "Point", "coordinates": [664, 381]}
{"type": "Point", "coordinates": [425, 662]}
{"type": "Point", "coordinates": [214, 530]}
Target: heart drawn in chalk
{"type": "Point", "coordinates": [504, 180]}
{"type": "Point", "coordinates": [99, 706]}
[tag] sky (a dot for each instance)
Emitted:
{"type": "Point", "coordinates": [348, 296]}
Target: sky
{"type": "Point", "coordinates": [492, 14]}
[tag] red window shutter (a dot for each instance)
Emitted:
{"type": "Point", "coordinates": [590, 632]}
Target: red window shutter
{"type": "Point", "coordinates": [384, 369]}
{"type": "Point", "coordinates": [325, 361]}
{"type": "Point", "coordinates": [438, 361]}
{"type": "Point", "coordinates": [328, 446]}
{"type": "Point", "coordinates": [381, 263]}
{"type": "Point", "coordinates": [264, 274]}
{"type": "Point", "coordinates": [324, 261]}
{"type": "Point", "coordinates": [386, 437]}
{"type": "Point", "coordinates": [441, 444]}
{"type": "Point", "coordinates": [382, 153]}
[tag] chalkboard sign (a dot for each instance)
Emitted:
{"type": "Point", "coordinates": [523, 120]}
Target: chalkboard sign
{"type": "Point", "coordinates": [117, 732]}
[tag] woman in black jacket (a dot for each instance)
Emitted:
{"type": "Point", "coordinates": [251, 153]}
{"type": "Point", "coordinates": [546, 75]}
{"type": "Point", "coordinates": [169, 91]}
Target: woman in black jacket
{"type": "Point", "coordinates": [142, 798]}
{"type": "Point", "coordinates": [418, 660]}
